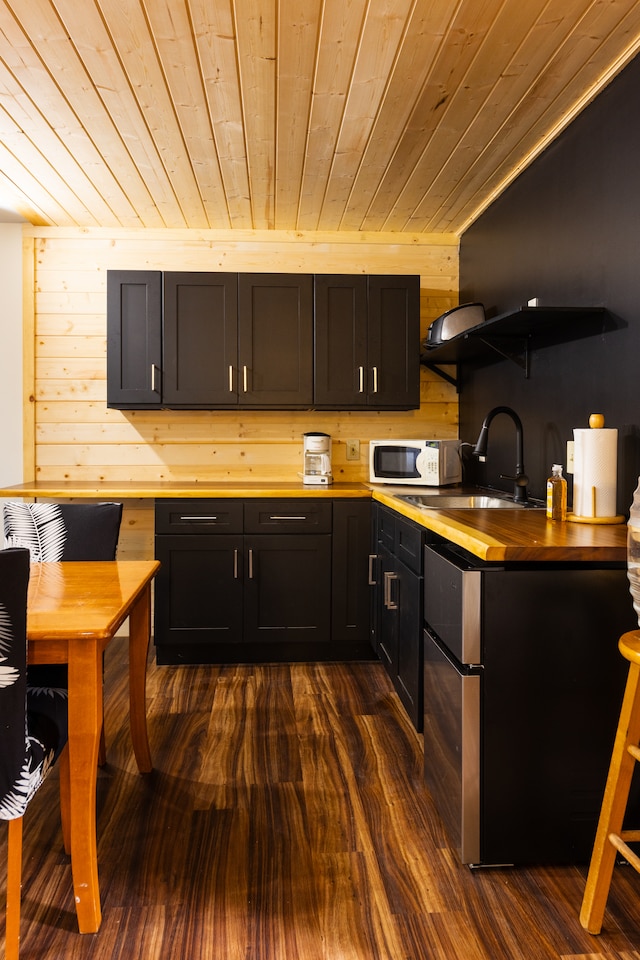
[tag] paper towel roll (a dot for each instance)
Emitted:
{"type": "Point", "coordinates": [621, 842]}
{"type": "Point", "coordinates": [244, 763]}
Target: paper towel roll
{"type": "Point", "coordinates": [595, 472]}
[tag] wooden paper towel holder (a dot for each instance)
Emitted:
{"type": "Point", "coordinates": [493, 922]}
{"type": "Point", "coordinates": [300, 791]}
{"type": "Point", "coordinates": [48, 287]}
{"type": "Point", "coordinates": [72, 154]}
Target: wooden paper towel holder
{"type": "Point", "coordinates": [596, 422]}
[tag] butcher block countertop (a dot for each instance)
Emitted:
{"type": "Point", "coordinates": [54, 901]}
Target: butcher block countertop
{"type": "Point", "coordinates": [490, 534]}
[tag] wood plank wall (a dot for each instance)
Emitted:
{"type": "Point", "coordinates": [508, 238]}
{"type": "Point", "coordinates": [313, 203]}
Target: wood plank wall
{"type": "Point", "coordinates": [75, 436]}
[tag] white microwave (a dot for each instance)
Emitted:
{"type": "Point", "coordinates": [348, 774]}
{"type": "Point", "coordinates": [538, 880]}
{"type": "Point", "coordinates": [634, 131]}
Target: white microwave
{"type": "Point", "coordinates": [430, 463]}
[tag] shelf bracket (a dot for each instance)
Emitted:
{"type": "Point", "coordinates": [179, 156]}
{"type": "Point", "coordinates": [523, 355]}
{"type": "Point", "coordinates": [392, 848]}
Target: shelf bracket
{"type": "Point", "coordinates": [520, 358]}
{"type": "Point", "coordinates": [454, 381]}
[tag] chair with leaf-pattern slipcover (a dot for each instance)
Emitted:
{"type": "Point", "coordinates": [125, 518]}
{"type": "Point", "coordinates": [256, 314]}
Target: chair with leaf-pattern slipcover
{"type": "Point", "coordinates": [33, 731]}
{"type": "Point", "coordinates": [63, 531]}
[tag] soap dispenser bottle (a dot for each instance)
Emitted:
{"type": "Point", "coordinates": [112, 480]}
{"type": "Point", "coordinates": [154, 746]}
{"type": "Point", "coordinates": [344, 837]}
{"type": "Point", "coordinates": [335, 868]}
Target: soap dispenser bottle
{"type": "Point", "coordinates": [556, 494]}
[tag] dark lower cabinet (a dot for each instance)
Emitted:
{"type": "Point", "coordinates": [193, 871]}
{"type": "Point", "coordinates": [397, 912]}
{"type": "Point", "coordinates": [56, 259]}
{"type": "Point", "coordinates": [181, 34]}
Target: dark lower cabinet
{"type": "Point", "coordinates": [397, 604]}
{"type": "Point", "coordinates": [350, 580]}
{"type": "Point", "coordinates": [287, 596]}
{"type": "Point", "coordinates": [258, 581]}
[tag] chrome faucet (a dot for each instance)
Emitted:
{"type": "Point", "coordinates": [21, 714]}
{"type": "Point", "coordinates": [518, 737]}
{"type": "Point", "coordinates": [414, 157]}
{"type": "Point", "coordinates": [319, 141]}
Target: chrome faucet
{"type": "Point", "coordinates": [520, 480]}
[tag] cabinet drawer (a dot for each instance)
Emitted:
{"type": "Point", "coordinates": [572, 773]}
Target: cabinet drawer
{"type": "Point", "coordinates": [199, 516]}
{"type": "Point", "coordinates": [287, 516]}
{"type": "Point", "coordinates": [408, 544]}
{"type": "Point", "coordinates": [386, 528]}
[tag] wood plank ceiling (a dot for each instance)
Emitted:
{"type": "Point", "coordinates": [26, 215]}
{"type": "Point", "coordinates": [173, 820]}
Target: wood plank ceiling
{"type": "Point", "coordinates": [310, 115]}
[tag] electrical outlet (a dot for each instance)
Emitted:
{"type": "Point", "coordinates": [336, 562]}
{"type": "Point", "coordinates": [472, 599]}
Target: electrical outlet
{"type": "Point", "coordinates": [569, 456]}
{"type": "Point", "coordinates": [353, 449]}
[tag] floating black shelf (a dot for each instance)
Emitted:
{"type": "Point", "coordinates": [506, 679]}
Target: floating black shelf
{"type": "Point", "coordinates": [513, 335]}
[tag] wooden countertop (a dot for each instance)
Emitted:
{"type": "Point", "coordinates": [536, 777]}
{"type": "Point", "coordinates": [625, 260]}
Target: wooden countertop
{"type": "Point", "coordinates": [131, 489]}
{"type": "Point", "coordinates": [518, 535]}
{"type": "Point", "coordinates": [494, 535]}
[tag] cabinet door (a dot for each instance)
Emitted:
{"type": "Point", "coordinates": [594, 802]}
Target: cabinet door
{"type": "Point", "coordinates": [198, 590]}
{"type": "Point", "coordinates": [394, 342]}
{"type": "Point", "coordinates": [340, 341]}
{"type": "Point", "coordinates": [387, 637]}
{"type": "Point", "coordinates": [408, 682]}
{"type": "Point", "coordinates": [288, 588]}
{"type": "Point", "coordinates": [134, 338]}
{"type": "Point", "coordinates": [350, 576]}
{"type": "Point", "coordinates": [275, 356]}
{"type": "Point", "coordinates": [200, 339]}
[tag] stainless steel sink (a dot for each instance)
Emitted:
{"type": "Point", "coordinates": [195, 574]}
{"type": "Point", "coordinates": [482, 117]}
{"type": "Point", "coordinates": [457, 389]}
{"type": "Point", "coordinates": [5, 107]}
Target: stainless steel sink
{"type": "Point", "coordinates": [462, 501]}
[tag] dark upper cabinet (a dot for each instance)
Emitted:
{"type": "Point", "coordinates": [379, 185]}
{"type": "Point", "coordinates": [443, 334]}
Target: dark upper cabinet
{"type": "Point", "coordinates": [341, 340]}
{"type": "Point", "coordinates": [367, 332]}
{"type": "Point", "coordinates": [134, 338]}
{"type": "Point", "coordinates": [394, 339]}
{"type": "Point", "coordinates": [200, 339]}
{"type": "Point", "coordinates": [275, 339]}
{"type": "Point", "coordinates": [217, 340]}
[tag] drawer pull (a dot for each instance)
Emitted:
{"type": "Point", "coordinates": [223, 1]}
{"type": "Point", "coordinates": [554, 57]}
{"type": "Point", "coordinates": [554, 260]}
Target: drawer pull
{"type": "Point", "coordinates": [235, 564]}
{"type": "Point", "coordinates": [230, 378]}
{"type": "Point", "coordinates": [250, 564]}
{"type": "Point", "coordinates": [288, 517]}
{"type": "Point", "coordinates": [360, 379]}
{"type": "Point", "coordinates": [375, 379]}
{"type": "Point", "coordinates": [197, 519]}
{"type": "Point", "coordinates": [372, 559]}
{"type": "Point", "coordinates": [245, 379]}
{"type": "Point", "coordinates": [154, 388]}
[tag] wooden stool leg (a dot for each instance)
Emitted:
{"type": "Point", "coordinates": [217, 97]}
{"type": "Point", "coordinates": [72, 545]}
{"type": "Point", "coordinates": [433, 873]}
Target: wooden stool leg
{"type": "Point", "coordinates": [14, 879]}
{"type": "Point", "coordinates": [614, 805]}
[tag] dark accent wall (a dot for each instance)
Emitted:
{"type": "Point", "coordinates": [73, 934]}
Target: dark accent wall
{"type": "Point", "coordinates": [568, 232]}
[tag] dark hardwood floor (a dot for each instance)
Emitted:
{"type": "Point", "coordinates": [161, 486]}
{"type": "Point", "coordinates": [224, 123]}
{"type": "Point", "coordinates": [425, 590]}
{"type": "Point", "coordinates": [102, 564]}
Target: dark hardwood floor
{"type": "Point", "coordinates": [286, 820]}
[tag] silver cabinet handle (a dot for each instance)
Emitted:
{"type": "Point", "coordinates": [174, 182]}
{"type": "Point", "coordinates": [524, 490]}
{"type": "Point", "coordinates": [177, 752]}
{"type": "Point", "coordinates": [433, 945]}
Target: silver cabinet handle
{"type": "Point", "coordinates": [374, 371]}
{"type": "Point", "coordinates": [154, 388]}
{"type": "Point", "coordinates": [230, 378]}
{"type": "Point", "coordinates": [276, 517]}
{"type": "Point", "coordinates": [244, 378]}
{"type": "Point", "coordinates": [250, 564]}
{"type": "Point", "coordinates": [361, 379]}
{"type": "Point", "coordinates": [235, 564]}
{"type": "Point", "coordinates": [372, 559]}
{"type": "Point", "coordinates": [388, 602]}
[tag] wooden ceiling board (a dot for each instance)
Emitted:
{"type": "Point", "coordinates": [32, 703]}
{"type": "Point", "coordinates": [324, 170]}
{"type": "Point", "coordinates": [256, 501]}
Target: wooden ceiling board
{"type": "Point", "coordinates": [381, 37]}
{"type": "Point", "coordinates": [493, 78]}
{"type": "Point", "coordinates": [548, 106]}
{"type": "Point", "coordinates": [422, 137]}
{"type": "Point", "coordinates": [291, 115]}
{"type": "Point", "coordinates": [298, 28]}
{"type": "Point", "coordinates": [214, 28]}
{"type": "Point", "coordinates": [139, 103]}
{"type": "Point", "coordinates": [75, 108]}
{"type": "Point", "coordinates": [399, 122]}
{"type": "Point", "coordinates": [342, 24]}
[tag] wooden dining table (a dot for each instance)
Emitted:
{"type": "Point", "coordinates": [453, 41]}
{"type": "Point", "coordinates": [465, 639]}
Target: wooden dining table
{"type": "Point", "coordinates": [74, 610]}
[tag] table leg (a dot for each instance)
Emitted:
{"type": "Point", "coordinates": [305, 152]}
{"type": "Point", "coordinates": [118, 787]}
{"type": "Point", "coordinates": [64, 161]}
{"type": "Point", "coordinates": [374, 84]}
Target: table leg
{"type": "Point", "coordinates": [139, 633]}
{"type": "Point", "coordinates": [85, 721]}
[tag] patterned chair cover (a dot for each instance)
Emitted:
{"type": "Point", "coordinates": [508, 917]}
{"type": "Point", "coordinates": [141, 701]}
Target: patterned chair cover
{"type": "Point", "coordinates": [33, 730]}
{"type": "Point", "coordinates": [63, 531]}
{"type": "Point", "coordinates": [53, 532]}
